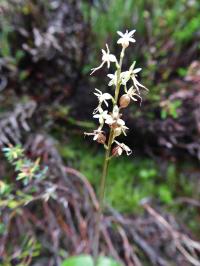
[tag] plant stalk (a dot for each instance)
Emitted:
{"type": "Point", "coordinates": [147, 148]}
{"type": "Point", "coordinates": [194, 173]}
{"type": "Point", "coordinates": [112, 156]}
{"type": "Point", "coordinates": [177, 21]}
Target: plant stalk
{"type": "Point", "coordinates": [101, 198]}
{"type": "Point", "coordinates": [105, 170]}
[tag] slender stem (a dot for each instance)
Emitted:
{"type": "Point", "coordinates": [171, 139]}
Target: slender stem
{"type": "Point", "coordinates": [105, 169]}
{"type": "Point", "coordinates": [118, 75]}
{"type": "Point", "coordinates": [101, 197]}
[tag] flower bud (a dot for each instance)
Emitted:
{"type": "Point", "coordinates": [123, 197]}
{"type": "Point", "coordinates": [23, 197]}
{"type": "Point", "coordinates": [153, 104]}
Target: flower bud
{"type": "Point", "coordinates": [117, 151]}
{"type": "Point", "coordinates": [124, 101]}
{"type": "Point", "coordinates": [117, 132]}
{"type": "Point", "coordinates": [114, 125]}
{"type": "Point", "coordinates": [101, 138]}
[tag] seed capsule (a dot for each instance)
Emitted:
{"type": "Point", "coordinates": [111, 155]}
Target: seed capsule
{"type": "Point", "coordinates": [117, 151]}
{"type": "Point", "coordinates": [101, 138]}
{"type": "Point", "coordinates": [117, 132]}
{"type": "Point", "coordinates": [124, 101]}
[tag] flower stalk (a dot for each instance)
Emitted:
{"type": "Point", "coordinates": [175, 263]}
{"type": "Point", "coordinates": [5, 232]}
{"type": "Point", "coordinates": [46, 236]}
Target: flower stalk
{"type": "Point", "coordinates": [121, 81]}
{"type": "Point", "coordinates": [101, 198]}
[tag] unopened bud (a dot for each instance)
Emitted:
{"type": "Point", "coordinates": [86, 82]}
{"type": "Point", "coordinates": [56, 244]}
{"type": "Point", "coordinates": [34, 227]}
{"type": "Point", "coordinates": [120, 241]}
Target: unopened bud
{"type": "Point", "coordinates": [117, 132]}
{"type": "Point", "coordinates": [101, 138]}
{"type": "Point", "coordinates": [124, 101]}
{"type": "Point", "coordinates": [114, 125]}
{"type": "Point", "coordinates": [117, 151]}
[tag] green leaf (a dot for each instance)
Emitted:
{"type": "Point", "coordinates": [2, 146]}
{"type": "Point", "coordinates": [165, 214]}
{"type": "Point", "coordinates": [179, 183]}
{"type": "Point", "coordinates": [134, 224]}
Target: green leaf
{"type": "Point", "coordinates": [85, 260]}
{"type": "Point", "coordinates": [13, 204]}
{"type": "Point", "coordinates": [165, 194]}
{"type": "Point", "coordinates": [163, 114]}
{"type": "Point", "coordinates": [82, 260]}
{"type": "Point", "coordinates": [4, 188]}
{"type": "Point", "coordinates": [182, 72]}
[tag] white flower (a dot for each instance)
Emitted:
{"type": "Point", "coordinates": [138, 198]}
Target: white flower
{"type": "Point", "coordinates": [106, 58]}
{"type": "Point", "coordinates": [101, 116]}
{"type": "Point", "coordinates": [119, 130]}
{"type": "Point", "coordinates": [126, 38]}
{"type": "Point", "coordinates": [137, 70]}
{"type": "Point", "coordinates": [116, 122]}
{"type": "Point", "coordinates": [115, 112]}
{"type": "Point", "coordinates": [126, 75]}
{"type": "Point", "coordinates": [103, 97]}
{"type": "Point", "coordinates": [97, 109]}
{"type": "Point", "coordinates": [123, 129]}
{"type": "Point", "coordinates": [132, 73]}
{"type": "Point", "coordinates": [123, 147]}
{"type": "Point", "coordinates": [137, 84]}
{"type": "Point", "coordinates": [98, 134]}
{"type": "Point", "coordinates": [113, 80]}
{"type": "Point", "coordinates": [132, 92]}
{"type": "Point", "coordinates": [115, 115]}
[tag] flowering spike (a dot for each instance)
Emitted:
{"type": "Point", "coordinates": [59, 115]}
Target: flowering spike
{"type": "Point", "coordinates": [119, 80]}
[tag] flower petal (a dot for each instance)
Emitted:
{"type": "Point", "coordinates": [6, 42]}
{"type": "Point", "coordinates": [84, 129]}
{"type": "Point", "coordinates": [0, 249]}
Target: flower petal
{"type": "Point", "coordinates": [120, 41]}
{"type": "Point", "coordinates": [131, 40]}
{"type": "Point", "coordinates": [107, 96]}
{"type": "Point", "coordinates": [137, 70]}
{"type": "Point", "coordinates": [103, 52]}
{"type": "Point", "coordinates": [131, 33]}
{"type": "Point", "coordinates": [112, 58]}
{"type": "Point", "coordinates": [120, 33]}
{"type": "Point", "coordinates": [111, 76]}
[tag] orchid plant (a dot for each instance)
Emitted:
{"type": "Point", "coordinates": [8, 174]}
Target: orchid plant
{"type": "Point", "coordinates": [126, 88]}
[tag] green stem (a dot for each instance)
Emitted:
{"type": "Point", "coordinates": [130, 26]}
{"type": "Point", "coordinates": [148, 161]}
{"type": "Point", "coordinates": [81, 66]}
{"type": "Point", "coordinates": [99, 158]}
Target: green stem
{"type": "Point", "coordinates": [101, 197]}
{"type": "Point", "coordinates": [105, 170]}
{"type": "Point", "coordinates": [118, 75]}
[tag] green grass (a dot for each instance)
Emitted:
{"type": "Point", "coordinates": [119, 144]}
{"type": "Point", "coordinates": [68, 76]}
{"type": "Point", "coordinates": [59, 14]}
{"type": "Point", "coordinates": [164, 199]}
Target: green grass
{"type": "Point", "coordinates": [129, 179]}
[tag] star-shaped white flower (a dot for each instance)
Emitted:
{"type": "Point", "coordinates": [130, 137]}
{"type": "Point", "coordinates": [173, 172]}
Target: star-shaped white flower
{"type": "Point", "coordinates": [101, 116]}
{"type": "Point", "coordinates": [120, 129]}
{"type": "Point", "coordinates": [126, 38]}
{"type": "Point", "coordinates": [137, 84]}
{"type": "Point", "coordinates": [123, 148]}
{"type": "Point", "coordinates": [116, 122]}
{"type": "Point", "coordinates": [132, 93]}
{"type": "Point", "coordinates": [113, 80]}
{"type": "Point", "coordinates": [106, 58]}
{"type": "Point", "coordinates": [98, 135]}
{"type": "Point", "coordinates": [133, 73]}
{"type": "Point", "coordinates": [103, 97]}
{"type": "Point", "coordinates": [110, 120]}
{"type": "Point", "coordinates": [126, 75]}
